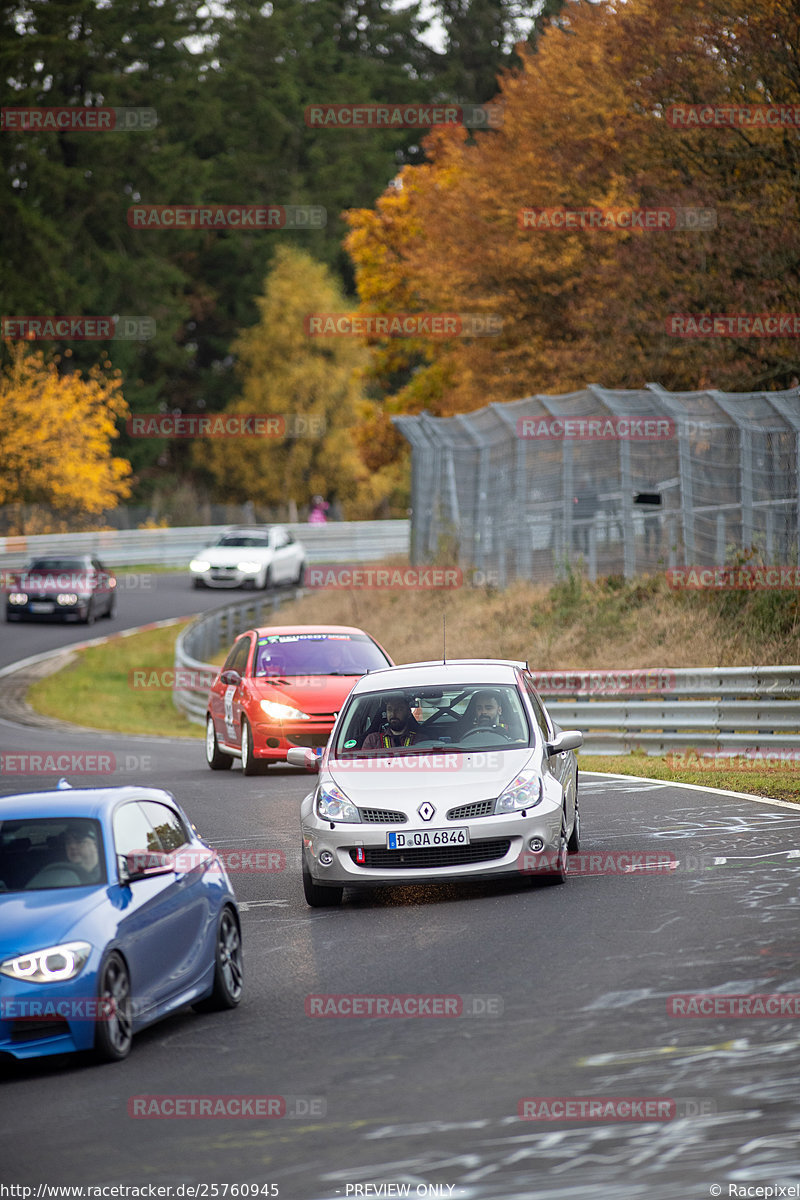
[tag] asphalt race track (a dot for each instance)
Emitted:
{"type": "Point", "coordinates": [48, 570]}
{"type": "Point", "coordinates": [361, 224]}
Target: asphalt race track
{"type": "Point", "coordinates": [573, 982]}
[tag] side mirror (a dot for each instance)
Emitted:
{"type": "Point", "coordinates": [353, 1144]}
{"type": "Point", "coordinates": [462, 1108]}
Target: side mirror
{"type": "Point", "coordinates": [301, 756]}
{"type": "Point", "coordinates": [141, 864]}
{"type": "Point", "coordinates": [230, 678]}
{"type": "Point", "coordinates": [568, 739]}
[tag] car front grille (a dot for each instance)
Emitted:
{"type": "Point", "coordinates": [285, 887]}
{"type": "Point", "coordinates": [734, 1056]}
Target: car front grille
{"type": "Point", "coordinates": [310, 741]}
{"type": "Point", "coordinates": [481, 808]}
{"type": "Point", "coordinates": [419, 858]}
{"type": "Point", "coordinates": [382, 816]}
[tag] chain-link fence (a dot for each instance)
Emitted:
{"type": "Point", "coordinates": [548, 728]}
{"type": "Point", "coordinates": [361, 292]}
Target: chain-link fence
{"type": "Point", "coordinates": [626, 481]}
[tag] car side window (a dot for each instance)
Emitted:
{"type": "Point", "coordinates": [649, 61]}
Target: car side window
{"type": "Point", "coordinates": [241, 652]}
{"type": "Point", "coordinates": [133, 831]}
{"type": "Point", "coordinates": [228, 664]}
{"type": "Point", "coordinates": [172, 832]}
{"type": "Point", "coordinates": [538, 711]}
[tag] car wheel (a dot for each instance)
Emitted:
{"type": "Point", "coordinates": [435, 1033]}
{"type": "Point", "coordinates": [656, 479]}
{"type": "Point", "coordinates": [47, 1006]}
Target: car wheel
{"type": "Point", "coordinates": [216, 758]}
{"type": "Point", "coordinates": [267, 579]}
{"type": "Point", "coordinates": [112, 608]}
{"type": "Point", "coordinates": [250, 764]}
{"type": "Point", "coordinates": [113, 1031]}
{"type": "Point", "coordinates": [228, 966]}
{"type": "Point", "coordinates": [574, 843]}
{"type": "Point", "coordinates": [89, 618]}
{"type": "Point", "coordinates": [197, 583]}
{"type": "Point", "coordinates": [301, 574]}
{"type": "Point", "coordinates": [316, 896]}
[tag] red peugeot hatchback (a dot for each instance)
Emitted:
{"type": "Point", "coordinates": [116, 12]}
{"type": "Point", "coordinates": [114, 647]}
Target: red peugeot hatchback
{"type": "Point", "coordinates": [282, 686]}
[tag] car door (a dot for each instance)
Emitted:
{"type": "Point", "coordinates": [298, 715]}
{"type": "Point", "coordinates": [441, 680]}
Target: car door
{"type": "Point", "coordinates": [190, 954]}
{"type": "Point", "coordinates": [560, 764]}
{"type": "Point", "coordinates": [234, 694]}
{"type": "Point", "coordinates": [102, 586]}
{"type": "Point", "coordinates": [282, 556]}
{"type": "Point", "coordinates": [153, 930]}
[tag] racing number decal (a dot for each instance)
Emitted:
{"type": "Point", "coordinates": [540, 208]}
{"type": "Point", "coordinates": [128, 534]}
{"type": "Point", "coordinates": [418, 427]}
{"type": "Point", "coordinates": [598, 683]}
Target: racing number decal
{"type": "Point", "coordinates": [229, 691]}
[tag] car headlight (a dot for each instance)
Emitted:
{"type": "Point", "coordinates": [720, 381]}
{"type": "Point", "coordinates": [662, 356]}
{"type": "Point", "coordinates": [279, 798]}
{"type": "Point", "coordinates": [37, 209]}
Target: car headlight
{"type": "Point", "coordinates": [52, 965]}
{"type": "Point", "coordinates": [249, 566]}
{"type": "Point", "coordinates": [66, 598]}
{"type": "Point", "coordinates": [333, 805]}
{"type": "Point", "coordinates": [17, 598]}
{"type": "Point", "coordinates": [199, 564]}
{"type": "Point", "coordinates": [523, 792]}
{"type": "Point", "coordinates": [283, 712]}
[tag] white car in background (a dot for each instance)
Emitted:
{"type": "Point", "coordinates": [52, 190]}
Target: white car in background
{"type": "Point", "coordinates": [250, 556]}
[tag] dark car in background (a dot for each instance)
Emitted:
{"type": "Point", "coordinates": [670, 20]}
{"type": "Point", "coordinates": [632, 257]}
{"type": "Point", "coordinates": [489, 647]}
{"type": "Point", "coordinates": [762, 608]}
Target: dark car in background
{"type": "Point", "coordinates": [76, 587]}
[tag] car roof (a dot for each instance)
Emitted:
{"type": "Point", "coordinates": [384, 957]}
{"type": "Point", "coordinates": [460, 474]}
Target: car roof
{"type": "Point", "coordinates": [97, 803]}
{"type": "Point", "coordinates": [266, 630]}
{"type": "Point", "coordinates": [455, 671]}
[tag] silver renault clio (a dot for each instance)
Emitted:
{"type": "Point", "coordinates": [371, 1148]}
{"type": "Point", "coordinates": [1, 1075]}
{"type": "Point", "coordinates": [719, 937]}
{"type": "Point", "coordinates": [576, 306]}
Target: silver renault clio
{"type": "Point", "coordinates": [437, 772]}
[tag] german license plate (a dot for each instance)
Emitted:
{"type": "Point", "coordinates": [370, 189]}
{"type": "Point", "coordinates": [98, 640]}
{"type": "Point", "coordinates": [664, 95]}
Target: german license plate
{"type": "Point", "coordinates": [42, 606]}
{"type": "Point", "coordinates": [424, 838]}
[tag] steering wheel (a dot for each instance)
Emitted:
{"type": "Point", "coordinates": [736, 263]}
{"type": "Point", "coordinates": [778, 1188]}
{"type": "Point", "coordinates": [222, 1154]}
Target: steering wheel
{"type": "Point", "coordinates": [485, 729]}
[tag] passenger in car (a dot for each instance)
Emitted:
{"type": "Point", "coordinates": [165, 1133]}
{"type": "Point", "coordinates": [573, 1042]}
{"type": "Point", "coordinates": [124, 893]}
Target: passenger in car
{"type": "Point", "coordinates": [399, 729]}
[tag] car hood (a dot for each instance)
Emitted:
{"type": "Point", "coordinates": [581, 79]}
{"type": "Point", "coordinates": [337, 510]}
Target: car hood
{"type": "Point", "coordinates": [34, 920]}
{"type": "Point", "coordinates": [229, 556]}
{"type": "Point", "coordinates": [309, 693]}
{"type": "Point", "coordinates": [407, 780]}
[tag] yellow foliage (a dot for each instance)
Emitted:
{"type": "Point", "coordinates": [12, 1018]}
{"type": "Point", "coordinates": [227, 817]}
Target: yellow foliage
{"type": "Point", "coordinates": [55, 435]}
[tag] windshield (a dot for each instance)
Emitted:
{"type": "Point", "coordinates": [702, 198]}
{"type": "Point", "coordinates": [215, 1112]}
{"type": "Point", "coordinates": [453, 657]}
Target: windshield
{"type": "Point", "coordinates": [54, 565]}
{"type": "Point", "coordinates": [50, 852]}
{"type": "Point", "coordinates": [289, 654]}
{"type": "Point", "coordinates": [243, 539]}
{"type": "Point", "coordinates": [463, 717]}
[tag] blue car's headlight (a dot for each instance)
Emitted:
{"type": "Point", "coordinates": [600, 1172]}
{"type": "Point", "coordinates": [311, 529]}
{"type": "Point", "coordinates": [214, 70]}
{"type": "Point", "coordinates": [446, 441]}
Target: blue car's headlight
{"type": "Point", "coordinates": [523, 792]}
{"type": "Point", "coordinates": [333, 805]}
{"type": "Point", "coordinates": [52, 965]}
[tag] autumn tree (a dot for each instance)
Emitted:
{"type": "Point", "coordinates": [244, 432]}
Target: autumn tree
{"type": "Point", "coordinates": [585, 126]}
{"type": "Point", "coordinates": [56, 434]}
{"type": "Point", "coordinates": [312, 384]}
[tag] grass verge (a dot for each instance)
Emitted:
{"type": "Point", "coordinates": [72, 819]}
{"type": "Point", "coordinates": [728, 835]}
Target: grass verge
{"type": "Point", "coordinates": [95, 689]}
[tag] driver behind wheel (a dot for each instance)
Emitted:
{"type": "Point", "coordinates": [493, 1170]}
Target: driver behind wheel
{"type": "Point", "coordinates": [487, 712]}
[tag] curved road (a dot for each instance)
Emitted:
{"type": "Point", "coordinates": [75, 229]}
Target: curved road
{"type": "Point", "coordinates": [576, 981]}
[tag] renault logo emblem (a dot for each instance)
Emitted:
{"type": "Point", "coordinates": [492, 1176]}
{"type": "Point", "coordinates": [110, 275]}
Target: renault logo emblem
{"type": "Point", "coordinates": [426, 810]}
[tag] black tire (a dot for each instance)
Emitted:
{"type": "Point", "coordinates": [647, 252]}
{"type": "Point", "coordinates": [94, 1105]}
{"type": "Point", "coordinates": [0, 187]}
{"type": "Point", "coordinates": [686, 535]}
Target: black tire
{"type": "Point", "coordinates": [112, 608]}
{"type": "Point", "coordinates": [90, 617]}
{"type": "Point", "coordinates": [216, 758]}
{"type": "Point", "coordinates": [574, 843]}
{"type": "Point", "coordinates": [267, 579]}
{"type": "Point", "coordinates": [113, 1031]}
{"type": "Point", "coordinates": [301, 574]}
{"type": "Point", "coordinates": [250, 764]}
{"type": "Point", "coordinates": [197, 583]}
{"type": "Point", "coordinates": [316, 896]}
{"type": "Point", "coordinates": [228, 966]}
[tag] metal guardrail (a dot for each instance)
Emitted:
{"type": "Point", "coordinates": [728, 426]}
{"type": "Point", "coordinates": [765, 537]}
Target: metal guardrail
{"type": "Point", "coordinates": [723, 708]}
{"type": "Point", "coordinates": [338, 541]}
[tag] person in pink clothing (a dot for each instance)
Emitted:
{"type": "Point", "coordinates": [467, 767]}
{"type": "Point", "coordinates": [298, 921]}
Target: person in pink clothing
{"type": "Point", "coordinates": [319, 507]}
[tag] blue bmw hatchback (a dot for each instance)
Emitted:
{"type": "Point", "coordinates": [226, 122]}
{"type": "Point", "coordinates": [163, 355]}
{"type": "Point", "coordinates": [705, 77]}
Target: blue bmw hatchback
{"type": "Point", "coordinates": [113, 914]}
